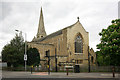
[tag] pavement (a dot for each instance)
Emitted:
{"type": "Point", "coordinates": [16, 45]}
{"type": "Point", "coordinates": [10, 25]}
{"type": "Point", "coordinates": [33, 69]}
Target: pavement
{"type": "Point", "coordinates": [22, 74]}
{"type": "Point", "coordinates": [0, 71]}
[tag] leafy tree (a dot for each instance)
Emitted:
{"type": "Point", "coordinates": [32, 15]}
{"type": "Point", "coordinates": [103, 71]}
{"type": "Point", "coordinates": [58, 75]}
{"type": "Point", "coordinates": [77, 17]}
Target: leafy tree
{"type": "Point", "coordinates": [13, 52]}
{"type": "Point", "coordinates": [109, 48]}
{"type": "Point", "coordinates": [33, 57]}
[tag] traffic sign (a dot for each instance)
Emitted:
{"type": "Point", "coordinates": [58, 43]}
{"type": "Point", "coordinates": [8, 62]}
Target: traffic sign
{"type": "Point", "coordinates": [25, 57]}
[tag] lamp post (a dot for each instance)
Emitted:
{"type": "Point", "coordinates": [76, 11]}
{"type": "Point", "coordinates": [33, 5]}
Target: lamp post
{"type": "Point", "coordinates": [25, 55]}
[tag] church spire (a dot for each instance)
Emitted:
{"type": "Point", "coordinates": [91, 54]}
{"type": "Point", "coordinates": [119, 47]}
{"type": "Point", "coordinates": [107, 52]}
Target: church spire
{"type": "Point", "coordinates": [41, 30]}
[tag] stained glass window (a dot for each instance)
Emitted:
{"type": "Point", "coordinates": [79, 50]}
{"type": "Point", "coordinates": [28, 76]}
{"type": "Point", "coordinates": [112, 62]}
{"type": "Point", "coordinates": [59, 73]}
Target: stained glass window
{"type": "Point", "coordinates": [78, 44]}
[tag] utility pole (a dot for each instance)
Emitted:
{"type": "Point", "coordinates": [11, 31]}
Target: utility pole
{"type": "Point", "coordinates": [88, 60]}
{"type": "Point", "coordinates": [56, 70]}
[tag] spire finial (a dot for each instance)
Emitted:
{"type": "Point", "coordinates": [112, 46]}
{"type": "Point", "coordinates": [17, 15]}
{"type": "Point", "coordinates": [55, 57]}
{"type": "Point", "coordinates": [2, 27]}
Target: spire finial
{"type": "Point", "coordinates": [78, 18]}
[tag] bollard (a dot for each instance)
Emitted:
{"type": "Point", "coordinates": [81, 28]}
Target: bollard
{"type": "Point", "coordinates": [113, 70]}
{"type": "Point", "coordinates": [31, 69]}
{"type": "Point", "coordinates": [48, 69]}
{"type": "Point", "coordinates": [67, 71]}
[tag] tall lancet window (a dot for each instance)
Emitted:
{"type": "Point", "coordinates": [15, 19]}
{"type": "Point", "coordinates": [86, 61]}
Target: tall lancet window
{"type": "Point", "coordinates": [78, 44]}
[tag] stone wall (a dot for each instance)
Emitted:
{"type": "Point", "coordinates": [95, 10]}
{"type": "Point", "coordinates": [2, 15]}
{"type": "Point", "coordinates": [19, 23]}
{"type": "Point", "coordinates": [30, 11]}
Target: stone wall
{"type": "Point", "coordinates": [92, 54]}
{"type": "Point", "coordinates": [72, 32]}
{"type": "Point", "coordinates": [65, 47]}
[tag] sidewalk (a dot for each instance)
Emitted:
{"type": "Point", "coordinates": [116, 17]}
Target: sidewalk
{"type": "Point", "coordinates": [11, 74]}
{"type": "Point", "coordinates": [77, 75]}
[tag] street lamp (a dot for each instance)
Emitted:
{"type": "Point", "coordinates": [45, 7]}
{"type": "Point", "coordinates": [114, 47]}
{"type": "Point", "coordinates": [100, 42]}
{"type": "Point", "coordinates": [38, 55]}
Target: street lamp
{"type": "Point", "coordinates": [25, 55]}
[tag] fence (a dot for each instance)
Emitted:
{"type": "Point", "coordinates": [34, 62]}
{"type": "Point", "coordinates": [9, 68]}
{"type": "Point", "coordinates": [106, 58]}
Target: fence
{"type": "Point", "coordinates": [35, 69]}
{"type": "Point", "coordinates": [96, 69]}
{"type": "Point", "coordinates": [82, 69]}
{"type": "Point", "coordinates": [100, 69]}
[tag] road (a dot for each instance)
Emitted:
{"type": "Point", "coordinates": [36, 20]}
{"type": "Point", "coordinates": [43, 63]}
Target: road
{"type": "Point", "coordinates": [59, 79]}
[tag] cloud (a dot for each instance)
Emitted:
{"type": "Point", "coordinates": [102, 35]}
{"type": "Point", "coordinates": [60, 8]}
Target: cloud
{"type": "Point", "coordinates": [24, 15]}
{"type": "Point", "coordinates": [5, 9]}
{"type": "Point", "coordinates": [119, 10]}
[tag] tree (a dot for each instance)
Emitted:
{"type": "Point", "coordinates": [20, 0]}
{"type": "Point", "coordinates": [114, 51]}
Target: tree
{"type": "Point", "coordinates": [109, 48]}
{"type": "Point", "coordinates": [33, 57]}
{"type": "Point", "coordinates": [13, 52]}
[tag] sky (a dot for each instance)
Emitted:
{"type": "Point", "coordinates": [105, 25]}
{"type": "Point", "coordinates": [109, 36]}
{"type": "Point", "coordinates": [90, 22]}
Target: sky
{"type": "Point", "coordinates": [119, 9]}
{"type": "Point", "coordinates": [24, 15]}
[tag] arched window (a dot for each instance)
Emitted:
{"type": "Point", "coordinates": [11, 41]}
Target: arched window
{"type": "Point", "coordinates": [92, 59]}
{"type": "Point", "coordinates": [78, 44]}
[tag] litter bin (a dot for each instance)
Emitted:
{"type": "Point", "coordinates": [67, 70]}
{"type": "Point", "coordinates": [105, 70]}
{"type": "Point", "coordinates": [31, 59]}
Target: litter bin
{"type": "Point", "coordinates": [77, 69]}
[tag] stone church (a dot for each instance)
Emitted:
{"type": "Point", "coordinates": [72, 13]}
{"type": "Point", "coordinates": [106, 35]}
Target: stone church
{"type": "Point", "coordinates": [66, 47]}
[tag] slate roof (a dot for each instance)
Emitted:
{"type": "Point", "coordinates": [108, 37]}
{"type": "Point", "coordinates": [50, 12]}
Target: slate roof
{"type": "Point", "coordinates": [53, 34]}
{"type": "Point", "coordinates": [49, 36]}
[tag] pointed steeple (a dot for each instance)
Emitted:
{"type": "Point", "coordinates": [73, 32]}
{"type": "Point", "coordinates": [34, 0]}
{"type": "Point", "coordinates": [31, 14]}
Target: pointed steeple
{"type": "Point", "coordinates": [41, 29]}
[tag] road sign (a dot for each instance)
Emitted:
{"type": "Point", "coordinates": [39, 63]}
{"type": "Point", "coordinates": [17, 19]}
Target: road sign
{"type": "Point", "coordinates": [25, 57]}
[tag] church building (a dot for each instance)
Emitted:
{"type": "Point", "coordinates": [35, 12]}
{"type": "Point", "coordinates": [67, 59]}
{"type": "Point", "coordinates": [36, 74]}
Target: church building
{"type": "Point", "coordinates": [66, 47]}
